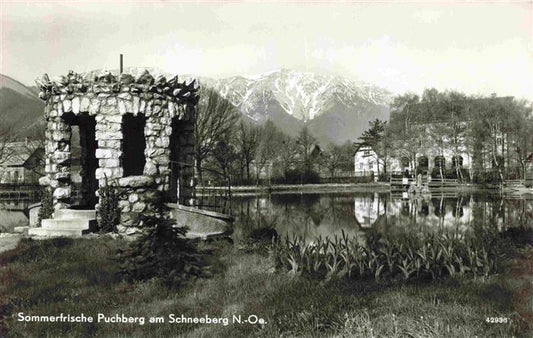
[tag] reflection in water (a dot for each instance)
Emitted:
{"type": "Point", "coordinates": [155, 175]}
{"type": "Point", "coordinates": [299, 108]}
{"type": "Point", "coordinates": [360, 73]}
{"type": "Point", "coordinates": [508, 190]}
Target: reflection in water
{"type": "Point", "coordinates": [327, 214]}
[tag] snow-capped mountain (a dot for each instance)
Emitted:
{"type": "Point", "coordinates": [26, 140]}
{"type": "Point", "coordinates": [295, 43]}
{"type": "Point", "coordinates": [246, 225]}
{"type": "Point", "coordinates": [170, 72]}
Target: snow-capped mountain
{"type": "Point", "coordinates": [301, 95]}
{"type": "Point", "coordinates": [336, 109]}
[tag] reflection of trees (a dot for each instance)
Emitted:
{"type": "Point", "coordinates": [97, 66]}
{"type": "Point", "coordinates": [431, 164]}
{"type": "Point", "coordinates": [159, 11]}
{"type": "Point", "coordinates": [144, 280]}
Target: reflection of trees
{"type": "Point", "coordinates": [424, 208]}
{"type": "Point", "coordinates": [312, 215]}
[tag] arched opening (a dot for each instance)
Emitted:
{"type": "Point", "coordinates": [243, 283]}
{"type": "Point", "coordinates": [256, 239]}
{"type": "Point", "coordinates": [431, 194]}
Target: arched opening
{"type": "Point", "coordinates": [457, 161]}
{"type": "Point", "coordinates": [423, 165]}
{"type": "Point", "coordinates": [133, 145]}
{"type": "Point", "coordinates": [440, 162]}
{"type": "Point", "coordinates": [83, 162]}
{"type": "Point", "coordinates": [176, 159]}
{"type": "Point", "coordinates": [439, 169]}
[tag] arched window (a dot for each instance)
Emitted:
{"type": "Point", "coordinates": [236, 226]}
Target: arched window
{"type": "Point", "coordinates": [440, 162]}
{"type": "Point", "coordinates": [423, 162]}
{"type": "Point", "coordinates": [457, 161]}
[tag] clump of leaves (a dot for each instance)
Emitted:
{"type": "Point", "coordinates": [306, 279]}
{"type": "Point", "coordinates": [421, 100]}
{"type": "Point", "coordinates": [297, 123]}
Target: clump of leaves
{"type": "Point", "coordinates": [47, 205]}
{"type": "Point", "coordinates": [108, 211]}
{"type": "Point", "coordinates": [161, 251]}
{"type": "Point", "coordinates": [261, 240]}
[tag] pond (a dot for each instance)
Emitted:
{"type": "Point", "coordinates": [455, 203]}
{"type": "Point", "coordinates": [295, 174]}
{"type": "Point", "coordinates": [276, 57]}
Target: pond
{"type": "Point", "coordinates": [309, 215]}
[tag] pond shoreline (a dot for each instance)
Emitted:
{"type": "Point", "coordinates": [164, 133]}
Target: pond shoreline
{"type": "Point", "coordinates": [238, 190]}
{"type": "Point", "coordinates": [379, 187]}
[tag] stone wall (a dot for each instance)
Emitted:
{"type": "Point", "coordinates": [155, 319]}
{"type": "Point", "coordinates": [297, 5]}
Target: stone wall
{"type": "Point", "coordinates": [108, 98]}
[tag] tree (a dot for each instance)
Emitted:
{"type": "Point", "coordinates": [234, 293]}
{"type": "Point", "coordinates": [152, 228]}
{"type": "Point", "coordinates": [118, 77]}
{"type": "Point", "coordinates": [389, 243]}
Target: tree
{"type": "Point", "coordinates": [521, 136]}
{"type": "Point", "coordinates": [375, 137]}
{"type": "Point", "coordinates": [286, 155]}
{"type": "Point", "coordinates": [336, 158]}
{"type": "Point", "coordinates": [270, 137]}
{"type": "Point", "coordinates": [215, 118]}
{"type": "Point", "coordinates": [306, 144]}
{"type": "Point", "coordinates": [6, 137]}
{"type": "Point", "coordinates": [248, 142]}
{"type": "Point", "coordinates": [225, 156]}
{"type": "Point", "coordinates": [405, 140]}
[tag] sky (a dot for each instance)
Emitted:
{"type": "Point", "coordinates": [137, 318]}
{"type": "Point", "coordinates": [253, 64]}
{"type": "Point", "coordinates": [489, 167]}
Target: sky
{"type": "Point", "coordinates": [477, 47]}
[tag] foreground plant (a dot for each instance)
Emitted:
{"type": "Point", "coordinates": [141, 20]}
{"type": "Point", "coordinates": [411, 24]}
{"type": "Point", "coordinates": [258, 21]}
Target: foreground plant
{"type": "Point", "coordinates": [404, 257]}
{"type": "Point", "coordinates": [161, 251]}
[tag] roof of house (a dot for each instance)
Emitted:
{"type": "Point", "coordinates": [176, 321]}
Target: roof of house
{"type": "Point", "coordinates": [17, 153]}
{"type": "Point", "coordinates": [360, 146]}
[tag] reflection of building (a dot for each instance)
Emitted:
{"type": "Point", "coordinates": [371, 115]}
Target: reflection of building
{"type": "Point", "coordinates": [23, 162]}
{"type": "Point", "coordinates": [368, 209]}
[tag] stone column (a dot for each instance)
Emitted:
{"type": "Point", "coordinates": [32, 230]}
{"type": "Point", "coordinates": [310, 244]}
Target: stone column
{"type": "Point", "coordinates": [58, 158]}
{"type": "Point", "coordinates": [157, 133]}
{"type": "Point", "coordinates": [109, 137]}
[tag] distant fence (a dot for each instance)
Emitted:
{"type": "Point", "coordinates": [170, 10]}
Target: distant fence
{"type": "Point", "coordinates": [218, 199]}
{"type": "Point", "coordinates": [510, 176]}
{"type": "Point", "coordinates": [20, 191]}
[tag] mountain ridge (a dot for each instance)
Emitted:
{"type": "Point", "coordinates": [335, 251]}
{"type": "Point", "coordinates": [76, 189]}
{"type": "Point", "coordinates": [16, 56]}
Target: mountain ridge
{"type": "Point", "coordinates": [335, 108]}
{"type": "Point", "coordinates": [21, 110]}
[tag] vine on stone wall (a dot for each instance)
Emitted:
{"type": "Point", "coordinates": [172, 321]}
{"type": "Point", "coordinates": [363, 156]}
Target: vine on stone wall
{"type": "Point", "coordinates": [47, 205]}
{"type": "Point", "coordinates": [108, 211]}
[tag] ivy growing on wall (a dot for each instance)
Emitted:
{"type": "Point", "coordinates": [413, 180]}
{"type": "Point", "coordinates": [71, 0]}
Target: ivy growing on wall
{"type": "Point", "coordinates": [108, 211]}
{"type": "Point", "coordinates": [47, 205]}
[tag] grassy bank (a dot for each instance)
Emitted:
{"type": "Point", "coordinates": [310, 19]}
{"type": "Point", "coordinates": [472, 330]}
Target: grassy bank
{"type": "Point", "coordinates": [77, 276]}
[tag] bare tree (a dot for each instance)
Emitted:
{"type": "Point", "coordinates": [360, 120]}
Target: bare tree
{"type": "Point", "coordinates": [306, 143]}
{"type": "Point", "coordinates": [215, 117]}
{"type": "Point", "coordinates": [287, 154]}
{"type": "Point", "coordinates": [335, 158]}
{"type": "Point", "coordinates": [268, 147]}
{"type": "Point", "coordinates": [6, 137]}
{"type": "Point", "coordinates": [247, 144]}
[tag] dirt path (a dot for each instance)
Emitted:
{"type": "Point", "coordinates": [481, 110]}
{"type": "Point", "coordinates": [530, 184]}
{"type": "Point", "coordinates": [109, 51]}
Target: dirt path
{"type": "Point", "coordinates": [9, 241]}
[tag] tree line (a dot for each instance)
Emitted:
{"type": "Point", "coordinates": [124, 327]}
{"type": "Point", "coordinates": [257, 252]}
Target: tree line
{"type": "Point", "coordinates": [231, 147]}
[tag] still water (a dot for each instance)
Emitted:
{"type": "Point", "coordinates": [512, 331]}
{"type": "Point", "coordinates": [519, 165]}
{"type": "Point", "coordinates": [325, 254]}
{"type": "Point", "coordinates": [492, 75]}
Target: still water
{"type": "Point", "coordinates": [328, 214]}
{"type": "Point", "coordinates": [310, 215]}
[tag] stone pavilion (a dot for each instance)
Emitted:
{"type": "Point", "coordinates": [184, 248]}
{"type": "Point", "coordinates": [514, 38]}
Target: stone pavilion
{"type": "Point", "coordinates": [135, 132]}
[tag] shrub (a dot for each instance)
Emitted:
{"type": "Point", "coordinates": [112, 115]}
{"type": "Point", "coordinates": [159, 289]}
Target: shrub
{"type": "Point", "coordinates": [47, 206]}
{"type": "Point", "coordinates": [108, 210]}
{"type": "Point", "coordinates": [161, 251]}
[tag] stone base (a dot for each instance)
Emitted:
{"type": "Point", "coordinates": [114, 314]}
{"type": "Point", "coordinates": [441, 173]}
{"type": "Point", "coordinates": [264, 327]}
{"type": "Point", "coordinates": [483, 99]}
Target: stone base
{"type": "Point", "coordinates": [67, 223]}
{"type": "Point", "coordinates": [202, 224]}
{"type": "Point", "coordinates": [21, 230]}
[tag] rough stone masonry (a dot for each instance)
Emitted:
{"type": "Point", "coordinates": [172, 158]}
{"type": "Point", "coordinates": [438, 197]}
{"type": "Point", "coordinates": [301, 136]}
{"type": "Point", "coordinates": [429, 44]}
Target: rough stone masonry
{"type": "Point", "coordinates": [109, 110]}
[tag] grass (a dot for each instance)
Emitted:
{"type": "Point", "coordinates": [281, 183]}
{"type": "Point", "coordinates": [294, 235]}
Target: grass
{"type": "Point", "coordinates": [77, 276]}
